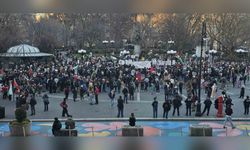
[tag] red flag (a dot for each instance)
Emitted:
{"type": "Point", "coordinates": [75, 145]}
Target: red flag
{"type": "Point", "coordinates": [16, 86]}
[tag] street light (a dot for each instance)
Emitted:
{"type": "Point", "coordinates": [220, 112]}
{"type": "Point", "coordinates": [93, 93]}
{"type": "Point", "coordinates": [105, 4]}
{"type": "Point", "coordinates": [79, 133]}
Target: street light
{"type": "Point", "coordinates": [82, 51]}
{"type": "Point", "coordinates": [105, 42]}
{"type": "Point", "coordinates": [203, 35]}
{"type": "Point", "coordinates": [213, 52]}
{"type": "Point", "coordinates": [171, 53]}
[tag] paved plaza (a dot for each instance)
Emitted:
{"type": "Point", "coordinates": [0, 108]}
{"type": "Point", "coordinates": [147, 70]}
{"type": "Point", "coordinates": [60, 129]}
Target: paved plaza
{"type": "Point", "coordinates": [140, 106]}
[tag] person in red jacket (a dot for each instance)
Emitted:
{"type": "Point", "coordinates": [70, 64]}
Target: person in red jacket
{"type": "Point", "coordinates": [5, 91]}
{"type": "Point", "coordinates": [64, 106]}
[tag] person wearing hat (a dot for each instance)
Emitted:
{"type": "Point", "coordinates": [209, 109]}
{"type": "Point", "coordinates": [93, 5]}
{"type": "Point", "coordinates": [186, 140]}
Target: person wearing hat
{"type": "Point", "coordinates": [155, 107]}
{"type": "Point", "coordinates": [70, 123]}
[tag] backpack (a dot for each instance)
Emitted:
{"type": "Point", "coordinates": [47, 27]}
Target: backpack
{"type": "Point", "coordinates": [97, 91]}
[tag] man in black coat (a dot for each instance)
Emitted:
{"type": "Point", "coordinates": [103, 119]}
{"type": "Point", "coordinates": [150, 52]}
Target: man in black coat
{"type": "Point", "coordinates": [208, 104]}
{"type": "Point", "coordinates": [32, 105]}
{"type": "Point", "coordinates": [176, 105]}
{"type": "Point", "coordinates": [155, 107]}
{"type": "Point", "coordinates": [120, 106]}
{"type": "Point", "coordinates": [246, 105]}
{"type": "Point", "coordinates": [125, 94]}
{"type": "Point", "coordinates": [166, 108]}
{"type": "Point", "coordinates": [242, 91]}
{"type": "Point", "coordinates": [188, 102]}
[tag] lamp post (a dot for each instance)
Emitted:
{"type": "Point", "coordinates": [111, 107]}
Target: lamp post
{"type": "Point", "coordinates": [105, 42]}
{"type": "Point", "coordinates": [169, 43]}
{"type": "Point", "coordinates": [212, 52]}
{"type": "Point", "coordinates": [203, 35]}
{"type": "Point", "coordinates": [171, 53]}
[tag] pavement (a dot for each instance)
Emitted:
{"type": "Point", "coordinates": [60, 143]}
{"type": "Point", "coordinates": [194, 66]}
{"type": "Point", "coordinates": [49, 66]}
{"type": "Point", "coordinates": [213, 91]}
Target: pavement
{"type": "Point", "coordinates": [141, 106]}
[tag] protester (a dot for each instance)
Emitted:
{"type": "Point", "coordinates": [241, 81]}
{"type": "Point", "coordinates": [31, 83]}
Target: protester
{"type": "Point", "coordinates": [64, 106]}
{"type": "Point", "coordinates": [176, 105]}
{"type": "Point", "coordinates": [132, 120]}
{"type": "Point", "coordinates": [120, 106]}
{"type": "Point", "coordinates": [188, 102]}
{"type": "Point", "coordinates": [125, 94]}
{"type": "Point", "coordinates": [46, 102]}
{"type": "Point", "coordinates": [208, 104]}
{"type": "Point", "coordinates": [112, 97]}
{"type": "Point", "coordinates": [166, 108]}
{"type": "Point", "coordinates": [246, 105]}
{"type": "Point", "coordinates": [242, 91]}
{"type": "Point", "coordinates": [228, 118]}
{"type": "Point", "coordinates": [32, 105]}
{"type": "Point", "coordinates": [155, 107]}
{"type": "Point", "coordinates": [56, 127]}
{"type": "Point", "coordinates": [70, 123]}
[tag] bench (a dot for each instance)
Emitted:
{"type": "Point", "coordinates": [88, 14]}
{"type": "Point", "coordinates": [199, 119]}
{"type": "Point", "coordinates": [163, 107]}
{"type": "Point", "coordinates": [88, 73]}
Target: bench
{"type": "Point", "coordinates": [67, 132]}
{"type": "Point", "coordinates": [200, 130]}
{"type": "Point", "coordinates": [132, 131]}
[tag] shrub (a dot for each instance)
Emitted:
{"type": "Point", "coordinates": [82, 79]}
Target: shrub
{"type": "Point", "coordinates": [21, 115]}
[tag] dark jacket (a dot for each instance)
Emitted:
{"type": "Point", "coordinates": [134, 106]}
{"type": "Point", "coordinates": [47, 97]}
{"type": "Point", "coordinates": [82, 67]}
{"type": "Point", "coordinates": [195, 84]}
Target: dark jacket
{"type": "Point", "coordinates": [188, 102]}
{"type": "Point", "coordinates": [166, 106]}
{"type": "Point", "coordinates": [56, 126]}
{"type": "Point", "coordinates": [155, 104]}
{"type": "Point", "coordinates": [33, 102]}
{"type": "Point", "coordinates": [176, 102]}
{"type": "Point", "coordinates": [125, 91]}
{"type": "Point", "coordinates": [208, 103]}
{"type": "Point", "coordinates": [120, 103]}
{"type": "Point", "coordinates": [247, 102]}
{"type": "Point", "coordinates": [229, 111]}
{"type": "Point", "coordinates": [132, 121]}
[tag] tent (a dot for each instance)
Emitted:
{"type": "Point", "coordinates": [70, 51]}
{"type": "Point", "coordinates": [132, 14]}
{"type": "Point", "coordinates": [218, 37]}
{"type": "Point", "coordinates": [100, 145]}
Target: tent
{"type": "Point", "coordinates": [171, 52]}
{"type": "Point", "coordinates": [24, 50]}
{"type": "Point", "coordinates": [82, 51]}
{"type": "Point", "coordinates": [241, 51]}
{"type": "Point", "coordinates": [212, 51]}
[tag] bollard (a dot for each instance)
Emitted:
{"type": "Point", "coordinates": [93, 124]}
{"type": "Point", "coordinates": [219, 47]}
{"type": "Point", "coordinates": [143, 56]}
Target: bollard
{"type": "Point", "coordinates": [24, 134]}
{"type": "Point", "coordinates": [2, 133]}
{"type": "Point", "coordinates": [181, 132]}
{"type": "Point", "coordinates": [226, 131]}
{"type": "Point", "coordinates": [92, 131]}
{"type": "Point", "coordinates": [115, 130]}
{"type": "Point", "coordinates": [247, 132]}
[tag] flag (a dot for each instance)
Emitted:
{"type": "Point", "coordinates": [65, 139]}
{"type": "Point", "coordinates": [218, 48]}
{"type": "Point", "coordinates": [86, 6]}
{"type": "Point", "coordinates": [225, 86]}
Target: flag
{"type": "Point", "coordinates": [16, 86]}
{"type": "Point", "coordinates": [10, 92]}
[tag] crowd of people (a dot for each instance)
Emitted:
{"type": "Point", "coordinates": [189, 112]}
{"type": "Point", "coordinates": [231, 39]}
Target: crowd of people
{"type": "Point", "coordinates": [87, 78]}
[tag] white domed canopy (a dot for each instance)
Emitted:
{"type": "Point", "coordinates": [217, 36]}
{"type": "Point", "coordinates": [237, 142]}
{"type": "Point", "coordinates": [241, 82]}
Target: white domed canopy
{"type": "Point", "coordinates": [24, 50]}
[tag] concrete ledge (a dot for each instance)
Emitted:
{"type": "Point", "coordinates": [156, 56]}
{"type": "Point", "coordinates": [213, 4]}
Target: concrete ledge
{"type": "Point", "coordinates": [126, 119]}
